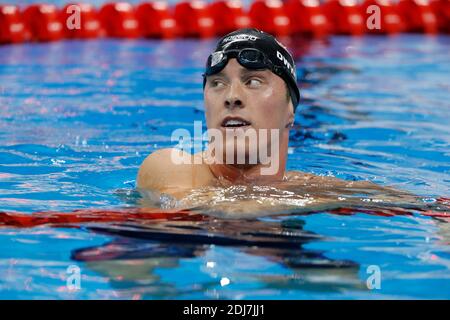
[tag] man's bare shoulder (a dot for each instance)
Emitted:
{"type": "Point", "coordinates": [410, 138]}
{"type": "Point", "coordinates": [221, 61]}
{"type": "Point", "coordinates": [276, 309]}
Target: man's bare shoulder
{"type": "Point", "coordinates": [167, 168]}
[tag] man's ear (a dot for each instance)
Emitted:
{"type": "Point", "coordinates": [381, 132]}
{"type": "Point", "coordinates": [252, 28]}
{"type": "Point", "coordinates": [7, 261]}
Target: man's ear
{"type": "Point", "coordinates": [290, 116]}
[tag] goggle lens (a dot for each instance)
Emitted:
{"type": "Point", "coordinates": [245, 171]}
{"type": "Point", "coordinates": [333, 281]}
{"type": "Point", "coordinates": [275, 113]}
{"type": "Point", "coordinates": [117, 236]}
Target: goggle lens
{"type": "Point", "coordinates": [249, 58]}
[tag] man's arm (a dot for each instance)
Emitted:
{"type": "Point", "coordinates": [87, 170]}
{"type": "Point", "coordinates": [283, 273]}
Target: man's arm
{"type": "Point", "coordinates": [354, 191]}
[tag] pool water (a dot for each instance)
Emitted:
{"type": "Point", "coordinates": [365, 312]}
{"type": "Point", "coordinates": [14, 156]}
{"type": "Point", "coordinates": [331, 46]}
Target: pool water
{"type": "Point", "coordinates": [77, 118]}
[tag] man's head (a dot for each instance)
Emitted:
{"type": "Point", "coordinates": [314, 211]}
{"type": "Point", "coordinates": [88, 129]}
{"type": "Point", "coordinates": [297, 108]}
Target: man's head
{"type": "Point", "coordinates": [250, 83]}
{"type": "Point", "coordinates": [255, 49]}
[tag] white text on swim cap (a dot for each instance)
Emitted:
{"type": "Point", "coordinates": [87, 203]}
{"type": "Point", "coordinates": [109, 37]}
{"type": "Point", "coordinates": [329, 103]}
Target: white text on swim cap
{"type": "Point", "coordinates": [286, 63]}
{"type": "Point", "coordinates": [240, 37]}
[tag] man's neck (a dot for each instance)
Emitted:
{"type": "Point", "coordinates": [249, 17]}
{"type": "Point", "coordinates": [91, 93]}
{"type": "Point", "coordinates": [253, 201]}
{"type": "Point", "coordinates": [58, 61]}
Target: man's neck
{"type": "Point", "coordinates": [255, 173]}
{"type": "Point", "coordinates": [244, 174]}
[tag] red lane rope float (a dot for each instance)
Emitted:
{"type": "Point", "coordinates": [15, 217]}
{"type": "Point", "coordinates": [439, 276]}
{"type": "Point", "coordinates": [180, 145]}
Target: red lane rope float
{"type": "Point", "coordinates": [390, 19]}
{"type": "Point", "coordinates": [345, 16]}
{"type": "Point", "coordinates": [389, 212]}
{"type": "Point", "coordinates": [418, 16]}
{"type": "Point", "coordinates": [307, 17]}
{"type": "Point", "coordinates": [228, 15]}
{"type": "Point", "coordinates": [20, 220]}
{"type": "Point", "coordinates": [155, 20]}
{"type": "Point", "coordinates": [270, 16]}
{"type": "Point", "coordinates": [88, 22]}
{"type": "Point", "coordinates": [12, 28]}
{"type": "Point", "coordinates": [194, 19]}
{"type": "Point", "coordinates": [43, 22]}
{"type": "Point", "coordinates": [119, 20]}
{"type": "Point", "coordinates": [441, 9]}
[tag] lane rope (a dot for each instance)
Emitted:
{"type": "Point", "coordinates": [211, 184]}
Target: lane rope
{"type": "Point", "coordinates": [199, 19]}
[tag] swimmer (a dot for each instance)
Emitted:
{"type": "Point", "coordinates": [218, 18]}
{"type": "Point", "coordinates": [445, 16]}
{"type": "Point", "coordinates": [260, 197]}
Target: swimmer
{"type": "Point", "coordinates": [249, 84]}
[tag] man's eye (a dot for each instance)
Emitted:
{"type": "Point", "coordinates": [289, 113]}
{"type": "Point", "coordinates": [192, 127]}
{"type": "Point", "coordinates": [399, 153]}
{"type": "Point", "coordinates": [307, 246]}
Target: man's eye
{"type": "Point", "coordinates": [215, 83]}
{"type": "Point", "coordinates": [254, 82]}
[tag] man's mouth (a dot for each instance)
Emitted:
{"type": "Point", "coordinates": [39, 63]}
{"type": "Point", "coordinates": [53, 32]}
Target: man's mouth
{"type": "Point", "coordinates": [234, 122]}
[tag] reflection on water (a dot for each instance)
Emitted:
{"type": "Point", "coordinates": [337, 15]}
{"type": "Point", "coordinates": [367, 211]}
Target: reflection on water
{"type": "Point", "coordinates": [138, 253]}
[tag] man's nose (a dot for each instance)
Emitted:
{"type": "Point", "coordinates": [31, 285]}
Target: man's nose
{"type": "Point", "coordinates": [234, 97]}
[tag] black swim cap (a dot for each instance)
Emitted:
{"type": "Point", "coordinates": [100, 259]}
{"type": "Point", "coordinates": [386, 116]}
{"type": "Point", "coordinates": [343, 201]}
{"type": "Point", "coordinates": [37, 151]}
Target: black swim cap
{"type": "Point", "coordinates": [279, 59]}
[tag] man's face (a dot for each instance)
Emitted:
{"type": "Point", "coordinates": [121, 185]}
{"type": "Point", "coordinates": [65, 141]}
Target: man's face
{"type": "Point", "coordinates": [242, 99]}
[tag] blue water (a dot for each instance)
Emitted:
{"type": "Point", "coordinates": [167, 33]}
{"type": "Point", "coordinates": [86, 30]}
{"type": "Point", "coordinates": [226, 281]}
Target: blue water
{"type": "Point", "coordinates": [78, 118]}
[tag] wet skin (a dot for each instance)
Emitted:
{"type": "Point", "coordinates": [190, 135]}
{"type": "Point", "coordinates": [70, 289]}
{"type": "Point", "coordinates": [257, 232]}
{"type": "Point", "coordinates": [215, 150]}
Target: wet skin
{"type": "Point", "coordinates": [259, 98]}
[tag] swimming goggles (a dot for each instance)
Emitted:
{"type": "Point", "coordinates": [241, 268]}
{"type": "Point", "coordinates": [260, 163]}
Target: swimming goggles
{"type": "Point", "coordinates": [249, 58]}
